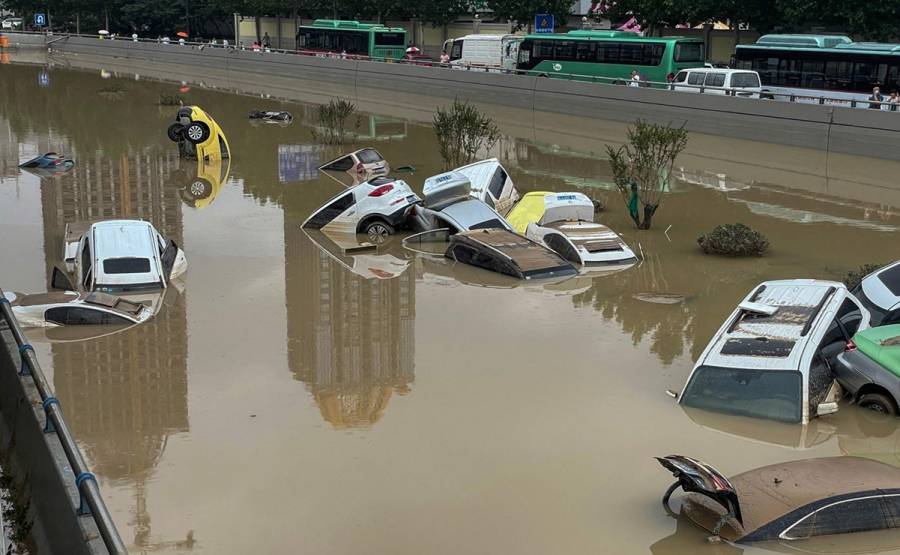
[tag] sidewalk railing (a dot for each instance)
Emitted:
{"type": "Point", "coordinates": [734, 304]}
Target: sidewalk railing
{"type": "Point", "coordinates": [678, 87]}
{"type": "Point", "coordinates": [90, 501]}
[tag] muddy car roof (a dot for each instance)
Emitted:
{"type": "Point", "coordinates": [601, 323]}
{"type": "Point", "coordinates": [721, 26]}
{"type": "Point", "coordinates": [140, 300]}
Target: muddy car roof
{"type": "Point", "coordinates": [773, 491]}
{"type": "Point", "coordinates": [776, 341]}
{"type": "Point", "coordinates": [531, 259]}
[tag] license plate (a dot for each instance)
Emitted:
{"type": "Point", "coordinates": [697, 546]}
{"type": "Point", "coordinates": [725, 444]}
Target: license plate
{"type": "Point", "coordinates": [411, 198]}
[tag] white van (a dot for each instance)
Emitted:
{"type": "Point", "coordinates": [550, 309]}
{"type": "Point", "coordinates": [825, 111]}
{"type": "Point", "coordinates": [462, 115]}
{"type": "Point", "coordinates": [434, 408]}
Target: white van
{"type": "Point", "coordinates": [718, 81]}
{"type": "Point", "coordinates": [491, 52]}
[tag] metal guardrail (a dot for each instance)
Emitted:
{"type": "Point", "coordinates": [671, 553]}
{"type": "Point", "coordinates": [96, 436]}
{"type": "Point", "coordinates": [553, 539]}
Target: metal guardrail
{"type": "Point", "coordinates": [718, 91]}
{"type": "Point", "coordinates": [90, 501]}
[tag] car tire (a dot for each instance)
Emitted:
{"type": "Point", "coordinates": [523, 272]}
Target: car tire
{"type": "Point", "coordinates": [196, 132]}
{"type": "Point", "coordinates": [175, 132]}
{"type": "Point", "coordinates": [878, 402]}
{"type": "Point", "coordinates": [199, 188]}
{"type": "Point", "coordinates": [378, 231]}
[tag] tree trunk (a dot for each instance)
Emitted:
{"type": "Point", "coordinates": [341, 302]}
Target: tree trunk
{"type": "Point", "coordinates": [258, 29]}
{"type": "Point", "coordinates": [77, 23]}
{"type": "Point", "coordinates": [649, 210]}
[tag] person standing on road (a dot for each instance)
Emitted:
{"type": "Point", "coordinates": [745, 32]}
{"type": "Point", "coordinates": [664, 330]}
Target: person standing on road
{"type": "Point", "coordinates": [894, 100]}
{"type": "Point", "coordinates": [876, 99]}
{"type": "Point", "coordinates": [267, 42]}
{"type": "Point", "coordinates": [635, 79]}
{"type": "Point", "coordinates": [445, 58]}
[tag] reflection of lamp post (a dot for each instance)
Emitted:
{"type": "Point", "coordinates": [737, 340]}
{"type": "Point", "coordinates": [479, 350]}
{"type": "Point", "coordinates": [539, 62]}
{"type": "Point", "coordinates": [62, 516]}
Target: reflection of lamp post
{"type": "Point", "coordinates": [476, 25]}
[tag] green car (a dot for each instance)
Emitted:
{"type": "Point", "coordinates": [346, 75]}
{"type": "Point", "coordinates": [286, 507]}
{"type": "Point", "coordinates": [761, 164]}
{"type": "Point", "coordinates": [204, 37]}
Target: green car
{"type": "Point", "coordinates": [870, 369]}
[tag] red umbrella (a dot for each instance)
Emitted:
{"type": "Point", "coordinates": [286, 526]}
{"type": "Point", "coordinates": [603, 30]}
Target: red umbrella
{"type": "Point", "coordinates": [184, 89]}
{"type": "Point", "coordinates": [181, 34]}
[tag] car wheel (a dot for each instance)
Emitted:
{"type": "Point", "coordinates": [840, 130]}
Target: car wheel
{"type": "Point", "coordinates": [196, 132]}
{"type": "Point", "coordinates": [175, 132]}
{"type": "Point", "coordinates": [378, 231]}
{"type": "Point", "coordinates": [199, 188]}
{"type": "Point", "coordinates": [878, 402]}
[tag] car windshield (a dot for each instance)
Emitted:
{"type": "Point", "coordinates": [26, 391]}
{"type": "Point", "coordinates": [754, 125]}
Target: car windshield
{"type": "Point", "coordinates": [876, 313]}
{"type": "Point", "coordinates": [774, 395]}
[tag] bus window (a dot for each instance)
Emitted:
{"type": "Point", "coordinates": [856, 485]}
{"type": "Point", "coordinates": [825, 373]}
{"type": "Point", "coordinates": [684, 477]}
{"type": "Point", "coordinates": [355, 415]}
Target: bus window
{"type": "Point", "coordinates": [608, 52]}
{"type": "Point", "coordinates": [812, 74]}
{"type": "Point", "coordinates": [866, 75]}
{"type": "Point", "coordinates": [689, 52]}
{"type": "Point", "coordinates": [564, 51]}
{"type": "Point", "coordinates": [631, 54]}
{"type": "Point", "coordinates": [390, 39]}
{"type": "Point", "coordinates": [585, 51]}
{"type": "Point", "coordinates": [838, 75]}
{"type": "Point", "coordinates": [543, 50]}
{"type": "Point", "coordinates": [653, 54]}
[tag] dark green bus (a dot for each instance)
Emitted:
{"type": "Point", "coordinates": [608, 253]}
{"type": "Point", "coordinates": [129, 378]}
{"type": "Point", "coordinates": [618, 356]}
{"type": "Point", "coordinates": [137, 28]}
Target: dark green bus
{"type": "Point", "coordinates": [352, 38]}
{"type": "Point", "coordinates": [611, 55]}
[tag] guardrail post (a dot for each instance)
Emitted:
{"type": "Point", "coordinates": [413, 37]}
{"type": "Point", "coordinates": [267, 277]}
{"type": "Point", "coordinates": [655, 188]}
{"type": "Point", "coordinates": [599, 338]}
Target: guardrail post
{"type": "Point", "coordinates": [49, 428]}
{"type": "Point", "coordinates": [26, 366]}
{"type": "Point", "coordinates": [83, 507]}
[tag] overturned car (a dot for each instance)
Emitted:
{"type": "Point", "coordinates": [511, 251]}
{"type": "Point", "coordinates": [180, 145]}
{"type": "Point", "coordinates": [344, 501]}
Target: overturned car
{"type": "Point", "coordinates": [198, 135]}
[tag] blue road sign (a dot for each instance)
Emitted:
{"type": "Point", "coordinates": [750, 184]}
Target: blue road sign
{"type": "Point", "coordinates": [40, 20]}
{"type": "Point", "coordinates": [544, 23]}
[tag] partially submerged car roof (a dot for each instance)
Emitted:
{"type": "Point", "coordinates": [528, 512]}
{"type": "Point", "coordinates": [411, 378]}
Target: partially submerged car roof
{"type": "Point", "coordinates": [356, 164]}
{"type": "Point", "coordinates": [474, 214]}
{"type": "Point", "coordinates": [126, 252]}
{"type": "Point", "coordinates": [757, 340]}
{"type": "Point", "coordinates": [882, 286]}
{"type": "Point", "coordinates": [508, 253]}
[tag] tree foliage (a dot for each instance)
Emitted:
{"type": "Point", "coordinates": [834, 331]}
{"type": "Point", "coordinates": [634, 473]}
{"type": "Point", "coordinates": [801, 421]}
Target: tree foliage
{"type": "Point", "coordinates": [462, 131]}
{"type": "Point", "coordinates": [642, 167]}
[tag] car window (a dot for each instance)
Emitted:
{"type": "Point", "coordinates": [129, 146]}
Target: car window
{"type": "Point", "coordinates": [891, 504]}
{"type": "Point", "coordinates": [850, 317]}
{"type": "Point", "coordinates": [772, 394]}
{"type": "Point", "coordinates": [696, 78]}
{"type": "Point", "coordinates": [715, 80]}
{"type": "Point", "coordinates": [456, 50]}
{"type": "Point", "coordinates": [493, 223]}
{"type": "Point", "coordinates": [369, 156]}
{"type": "Point", "coordinates": [739, 80]}
{"type": "Point", "coordinates": [842, 517]}
{"type": "Point", "coordinates": [86, 263]}
{"type": "Point", "coordinates": [681, 77]}
{"type": "Point", "coordinates": [339, 165]}
{"type": "Point", "coordinates": [126, 265]}
{"type": "Point", "coordinates": [75, 315]}
{"type": "Point", "coordinates": [498, 180]}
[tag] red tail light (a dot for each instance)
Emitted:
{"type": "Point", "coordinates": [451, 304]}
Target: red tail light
{"type": "Point", "coordinates": [383, 190]}
{"type": "Point", "coordinates": [851, 346]}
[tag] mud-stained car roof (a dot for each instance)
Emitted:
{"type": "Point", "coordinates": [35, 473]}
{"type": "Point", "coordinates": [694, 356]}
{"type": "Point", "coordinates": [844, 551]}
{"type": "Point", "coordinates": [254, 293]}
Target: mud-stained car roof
{"type": "Point", "coordinates": [772, 341]}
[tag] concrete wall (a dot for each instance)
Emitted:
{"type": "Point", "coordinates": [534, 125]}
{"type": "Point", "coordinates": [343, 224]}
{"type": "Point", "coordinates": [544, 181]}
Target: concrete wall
{"type": "Point", "coordinates": [829, 128]}
{"type": "Point", "coordinates": [38, 465]}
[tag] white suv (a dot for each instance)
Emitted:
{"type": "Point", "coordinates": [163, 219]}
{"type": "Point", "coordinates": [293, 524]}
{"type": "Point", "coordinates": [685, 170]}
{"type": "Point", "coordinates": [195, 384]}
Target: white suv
{"type": "Point", "coordinates": [772, 358]}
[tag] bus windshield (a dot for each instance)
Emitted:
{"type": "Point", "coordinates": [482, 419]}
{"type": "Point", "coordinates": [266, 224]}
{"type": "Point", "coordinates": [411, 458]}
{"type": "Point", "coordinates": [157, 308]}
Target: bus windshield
{"type": "Point", "coordinates": [390, 39]}
{"type": "Point", "coordinates": [771, 394]}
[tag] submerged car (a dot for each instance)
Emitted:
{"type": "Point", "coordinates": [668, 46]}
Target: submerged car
{"type": "Point", "coordinates": [869, 369]}
{"type": "Point", "coordinates": [880, 294]}
{"type": "Point", "coordinates": [50, 161]}
{"type": "Point", "coordinates": [564, 222]}
{"type": "Point", "coordinates": [356, 167]}
{"type": "Point", "coordinates": [198, 135]}
{"type": "Point", "coordinates": [67, 308]}
{"type": "Point", "coordinates": [199, 185]}
{"type": "Point", "coordinates": [508, 253]}
{"type": "Point", "coordinates": [772, 358]}
{"type": "Point", "coordinates": [278, 117]}
{"type": "Point", "coordinates": [376, 208]}
{"type": "Point", "coordinates": [119, 256]}
{"type": "Point", "coordinates": [448, 204]}
{"type": "Point", "coordinates": [787, 501]}
{"type": "Point", "coordinates": [491, 184]}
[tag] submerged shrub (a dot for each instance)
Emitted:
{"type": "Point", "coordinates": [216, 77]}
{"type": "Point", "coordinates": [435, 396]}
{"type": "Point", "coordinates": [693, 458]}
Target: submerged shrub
{"type": "Point", "coordinates": [734, 240]}
{"type": "Point", "coordinates": [333, 120]}
{"type": "Point", "coordinates": [462, 131]}
{"type": "Point", "coordinates": [852, 278]}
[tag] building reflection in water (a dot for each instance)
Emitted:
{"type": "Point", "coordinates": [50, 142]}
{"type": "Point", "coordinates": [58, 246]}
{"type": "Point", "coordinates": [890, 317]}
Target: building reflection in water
{"type": "Point", "coordinates": [124, 394]}
{"type": "Point", "coordinates": [351, 340]}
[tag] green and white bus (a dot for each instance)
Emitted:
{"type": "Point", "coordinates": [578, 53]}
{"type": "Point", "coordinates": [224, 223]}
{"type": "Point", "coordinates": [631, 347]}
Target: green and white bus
{"type": "Point", "coordinates": [829, 66]}
{"type": "Point", "coordinates": [608, 54]}
{"type": "Point", "coordinates": [353, 39]}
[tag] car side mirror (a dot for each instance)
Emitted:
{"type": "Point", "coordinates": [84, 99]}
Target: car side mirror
{"type": "Point", "coordinates": [60, 280]}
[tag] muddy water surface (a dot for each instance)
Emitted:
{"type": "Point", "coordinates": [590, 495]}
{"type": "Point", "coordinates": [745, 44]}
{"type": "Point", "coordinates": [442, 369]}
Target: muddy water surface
{"type": "Point", "coordinates": [288, 400]}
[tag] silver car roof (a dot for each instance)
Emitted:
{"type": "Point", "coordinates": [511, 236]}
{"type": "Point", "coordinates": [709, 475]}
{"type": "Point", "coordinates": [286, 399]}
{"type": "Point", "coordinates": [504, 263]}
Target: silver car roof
{"type": "Point", "coordinates": [471, 212]}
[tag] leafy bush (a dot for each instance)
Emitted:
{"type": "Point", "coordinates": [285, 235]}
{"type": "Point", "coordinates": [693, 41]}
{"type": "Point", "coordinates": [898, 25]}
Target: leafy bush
{"type": "Point", "coordinates": [734, 240]}
{"type": "Point", "coordinates": [462, 130]}
{"type": "Point", "coordinates": [641, 167]}
{"type": "Point", "coordinates": [333, 121]}
{"type": "Point", "coordinates": [852, 278]}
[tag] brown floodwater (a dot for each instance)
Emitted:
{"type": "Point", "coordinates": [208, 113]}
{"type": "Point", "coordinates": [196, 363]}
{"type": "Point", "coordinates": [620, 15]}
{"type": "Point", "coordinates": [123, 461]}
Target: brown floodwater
{"type": "Point", "coordinates": [287, 400]}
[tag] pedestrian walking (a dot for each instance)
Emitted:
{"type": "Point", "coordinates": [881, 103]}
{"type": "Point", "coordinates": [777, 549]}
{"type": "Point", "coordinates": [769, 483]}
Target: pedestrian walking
{"type": "Point", "coordinates": [635, 79]}
{"type": "Point", "coordinates": [894, 100]}
{"type": "Point", "coordinates": [267, 42]}
{"type": "Point", "coordinates": [445, 58]}
{"type": "Point", "coordinates": [876, 99]}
